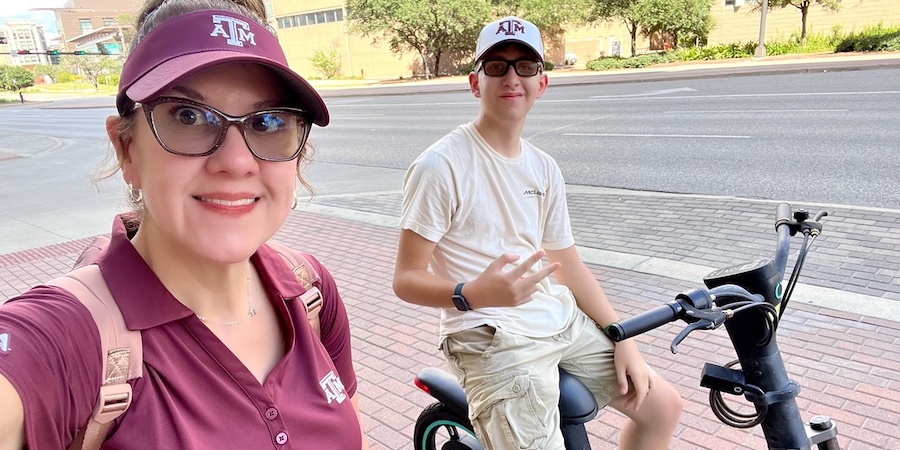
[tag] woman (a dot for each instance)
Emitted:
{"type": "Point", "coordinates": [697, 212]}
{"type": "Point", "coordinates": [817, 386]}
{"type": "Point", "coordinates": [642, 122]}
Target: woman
{"type": "Point", "coordinates": [210, 138]}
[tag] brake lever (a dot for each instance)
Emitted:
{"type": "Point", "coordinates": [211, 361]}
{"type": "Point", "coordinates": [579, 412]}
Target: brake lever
{"type": "Point", "coordinates": [709, 319]}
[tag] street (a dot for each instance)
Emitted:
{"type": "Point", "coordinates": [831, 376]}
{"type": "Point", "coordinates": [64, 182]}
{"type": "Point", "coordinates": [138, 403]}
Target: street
{"type": "Point", "coordinates": [816, 137]}
{"type": "Point", "coordinates": [839, 336]}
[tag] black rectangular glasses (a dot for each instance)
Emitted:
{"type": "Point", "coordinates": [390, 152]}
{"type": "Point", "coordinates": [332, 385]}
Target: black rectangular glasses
{"type": "Point", "coordinates": [499, 67]}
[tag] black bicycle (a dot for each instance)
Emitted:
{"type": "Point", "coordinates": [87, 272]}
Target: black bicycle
{"type": "Point", "coordinates": [749, 299]}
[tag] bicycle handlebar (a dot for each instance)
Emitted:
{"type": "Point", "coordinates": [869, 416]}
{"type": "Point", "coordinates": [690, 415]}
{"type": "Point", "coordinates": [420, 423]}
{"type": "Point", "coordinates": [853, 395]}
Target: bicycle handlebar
{"type": "Point", "coordinates": [783, 221]}
{"type": "Point", "coordinates": [696, 305]}
{"type": "Point", "coordinates": [688, 301]}
{"type": "Point", "coordinates": [646, 321]}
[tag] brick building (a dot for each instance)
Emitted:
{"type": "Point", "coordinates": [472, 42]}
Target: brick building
{"type": "Point", "coordinates": [94, 25]}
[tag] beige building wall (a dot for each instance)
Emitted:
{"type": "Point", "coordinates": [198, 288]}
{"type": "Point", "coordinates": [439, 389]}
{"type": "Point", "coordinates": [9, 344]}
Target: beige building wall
{"type": "Point", "coordinates": [359, 57]}
{"type": "Point", "coordinates": [740, 24]}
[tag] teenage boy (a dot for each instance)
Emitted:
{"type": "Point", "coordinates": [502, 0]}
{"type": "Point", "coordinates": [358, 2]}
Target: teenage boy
{"type": "Point", "coordinates": [482, 206]}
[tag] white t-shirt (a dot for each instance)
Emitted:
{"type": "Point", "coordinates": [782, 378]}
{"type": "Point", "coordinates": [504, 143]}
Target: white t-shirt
{"type": "Point", "coordinates": [476, 205]}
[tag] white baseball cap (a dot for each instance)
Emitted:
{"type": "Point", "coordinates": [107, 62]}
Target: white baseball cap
{"type": "Point", "coordinates": [509, 29]}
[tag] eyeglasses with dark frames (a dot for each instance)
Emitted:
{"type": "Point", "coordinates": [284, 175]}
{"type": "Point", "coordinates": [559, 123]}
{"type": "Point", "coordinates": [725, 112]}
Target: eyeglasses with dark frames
{"type": "Point", "coordinates": [499, 67]}
{"type": "Point", "coordinates": [189, 128]}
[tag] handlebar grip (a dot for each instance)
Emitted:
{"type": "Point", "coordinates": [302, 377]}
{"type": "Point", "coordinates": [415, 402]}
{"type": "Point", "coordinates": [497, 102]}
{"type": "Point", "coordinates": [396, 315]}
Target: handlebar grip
{"type": "Point", "coordinates": [783, 213]}
{"type": "Point", "coordinates": [641, 323]}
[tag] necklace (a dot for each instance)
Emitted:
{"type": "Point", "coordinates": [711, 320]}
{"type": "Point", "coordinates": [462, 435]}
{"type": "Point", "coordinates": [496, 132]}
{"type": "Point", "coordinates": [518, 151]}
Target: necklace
{"type": "Point", "coordinates": [250, 310]}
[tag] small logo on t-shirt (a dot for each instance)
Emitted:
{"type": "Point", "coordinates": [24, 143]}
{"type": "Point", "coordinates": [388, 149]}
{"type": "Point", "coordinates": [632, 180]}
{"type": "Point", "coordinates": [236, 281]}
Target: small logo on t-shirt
{"type": "Point", "coordinates": [333, 387]}
{"type": "Point", "coordinates": [534, 193]}
{"type": "Point", "coordinates": [4, 343]}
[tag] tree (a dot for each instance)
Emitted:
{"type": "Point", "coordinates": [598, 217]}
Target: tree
{"type": "Point", "coordinates": [91, 67]}
{"type": "Point", "coordinates": [126, 32]}
{"type": "Point", "coordinates": [14, 78]}
{"type": "Point", "coordinates": [47, 69]}
{"type": "Point", "coordinates": [803, 6]}
{"type": "Point", "coordinates": [430, 28]}
{"type": "Point", "coordinates": [627, 11]}
{"type": "Point", "coordinates": [680, 19]}
{"type": "Point", "coordinates": [551, 16]}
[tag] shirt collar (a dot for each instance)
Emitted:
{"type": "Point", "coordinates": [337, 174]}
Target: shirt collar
{"type": "Point", "coordinates": [146, 303]}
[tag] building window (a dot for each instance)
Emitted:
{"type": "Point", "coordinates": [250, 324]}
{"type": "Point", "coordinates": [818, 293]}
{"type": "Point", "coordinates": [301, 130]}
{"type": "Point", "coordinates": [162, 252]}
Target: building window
{"type": "Point", "coordinates": [313, 18]}
{"type": "Point", "coordinates": [734, 2]}
{"type": "Point", "coordinates": [86, 26]}
{"type": "Point", "coordinates": [108, 21]}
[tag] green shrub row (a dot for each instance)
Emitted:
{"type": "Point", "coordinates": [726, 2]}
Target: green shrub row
{"type": "Point", "coordinates": [878, 38]}
{"type": "Point", "coordinates": [645, 60]}
{"type": "Point", "coordinates": [875, 38]}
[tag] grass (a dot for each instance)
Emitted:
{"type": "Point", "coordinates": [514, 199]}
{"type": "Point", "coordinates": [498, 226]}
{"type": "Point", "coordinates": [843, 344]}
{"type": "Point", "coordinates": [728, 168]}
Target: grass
{"type": "Point", "coordinates": [70, 88]}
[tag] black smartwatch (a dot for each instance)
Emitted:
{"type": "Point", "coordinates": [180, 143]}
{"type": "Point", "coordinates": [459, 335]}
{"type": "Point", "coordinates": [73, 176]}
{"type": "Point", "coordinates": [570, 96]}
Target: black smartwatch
{"type": "Point", "coordinates": [459, 300]}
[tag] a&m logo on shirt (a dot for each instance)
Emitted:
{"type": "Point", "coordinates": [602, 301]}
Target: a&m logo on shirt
{"type": "Point", "coordinates": [510, 27]}
{"type": "Point", "coordinates": [4, 343]}
{"type": "Point", "coordinates": [333, 387]}
{"type": "Point", "coordinates": [235, 31]}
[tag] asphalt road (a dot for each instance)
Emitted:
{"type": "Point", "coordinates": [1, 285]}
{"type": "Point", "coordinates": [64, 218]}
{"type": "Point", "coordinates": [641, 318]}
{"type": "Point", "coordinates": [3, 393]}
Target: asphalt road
{"type": "Point", "coordinates": [827, 137]}
{"type": "Point", "coordinates": [803, 137]}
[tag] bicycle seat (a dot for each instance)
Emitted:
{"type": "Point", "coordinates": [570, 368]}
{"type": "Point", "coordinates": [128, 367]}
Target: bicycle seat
{"type": "Point", "coordinates": [576, 403]}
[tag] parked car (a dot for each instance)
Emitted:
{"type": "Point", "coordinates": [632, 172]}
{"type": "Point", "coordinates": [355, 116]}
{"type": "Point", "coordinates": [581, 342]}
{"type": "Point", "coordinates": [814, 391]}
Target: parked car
{"type": "Point", "coordinates": [570, 59]}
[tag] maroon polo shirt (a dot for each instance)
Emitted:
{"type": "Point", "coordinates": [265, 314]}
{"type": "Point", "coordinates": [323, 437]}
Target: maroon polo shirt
{"type": "Point", "coordinates": [194, 394]}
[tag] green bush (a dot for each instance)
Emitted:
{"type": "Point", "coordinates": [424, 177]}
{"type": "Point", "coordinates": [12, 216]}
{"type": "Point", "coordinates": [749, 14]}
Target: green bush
{"type": "Point", "coordinates": [548, 66]}
{"type": "Point", "coordinates": [615, 62]}
{"type": "Point", "coordinates": [871, 39]}
{"type": "Point", "coordinates": [467, 68]}
{"type": "Point", "coordinates": [66, 77]}
{"type": "Point", "coordinates": [326, 62]}
{"type": "Point", "coordinates": [877, 38]}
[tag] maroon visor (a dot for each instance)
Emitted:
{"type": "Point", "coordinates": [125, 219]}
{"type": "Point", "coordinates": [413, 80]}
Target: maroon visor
{"type": "Point", "coordinates": [185, 45]}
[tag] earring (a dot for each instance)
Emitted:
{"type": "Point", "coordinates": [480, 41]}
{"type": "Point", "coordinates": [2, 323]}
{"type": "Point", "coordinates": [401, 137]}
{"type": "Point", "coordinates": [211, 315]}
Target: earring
{"type": "Point", "coordinates": [294, 205]}
{"type": "Point", "coordinates": [134, 195]}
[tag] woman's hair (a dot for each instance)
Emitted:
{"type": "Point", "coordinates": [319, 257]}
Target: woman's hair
{"type": "Point", "coordinates": [152, 14]}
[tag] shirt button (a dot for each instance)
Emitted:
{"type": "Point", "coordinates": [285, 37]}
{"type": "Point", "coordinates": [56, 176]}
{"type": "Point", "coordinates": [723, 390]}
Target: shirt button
{"type": "Point", "coordinates": [271, 413]}
{"type": "Point", "coordinates": [281, 438]}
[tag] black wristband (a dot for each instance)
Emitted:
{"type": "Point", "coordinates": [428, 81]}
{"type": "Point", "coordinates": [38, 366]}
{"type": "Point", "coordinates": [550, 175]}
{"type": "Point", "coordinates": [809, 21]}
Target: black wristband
{"type": "Point", "coordinates": [459, 300]}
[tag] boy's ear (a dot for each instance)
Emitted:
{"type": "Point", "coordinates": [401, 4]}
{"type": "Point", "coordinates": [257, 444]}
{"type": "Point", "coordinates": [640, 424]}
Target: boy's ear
{"type": "Point", "coordinates": [545, 81]}
{"type": "Point", "coordinates": [474, 84]}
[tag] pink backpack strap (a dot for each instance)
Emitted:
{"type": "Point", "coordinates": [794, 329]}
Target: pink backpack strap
{"type": "Point", "coordinates": [308, 277]}
{"type": "Point", "coordinates": [121, 349]}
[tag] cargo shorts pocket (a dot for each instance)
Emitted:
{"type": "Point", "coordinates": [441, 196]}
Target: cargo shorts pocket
{"type": "Point", "coordinates": [511, 415]}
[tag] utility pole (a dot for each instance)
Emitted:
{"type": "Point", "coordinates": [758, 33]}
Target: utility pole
{"type": "Point", "coordinates": [761, 47]}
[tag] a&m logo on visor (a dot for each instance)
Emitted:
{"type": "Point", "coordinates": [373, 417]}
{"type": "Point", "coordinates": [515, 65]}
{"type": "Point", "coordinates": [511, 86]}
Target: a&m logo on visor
{"type": "Point", "coordinates": [235, 31]}
{"type": "Point", "coordinates": [510, 27]}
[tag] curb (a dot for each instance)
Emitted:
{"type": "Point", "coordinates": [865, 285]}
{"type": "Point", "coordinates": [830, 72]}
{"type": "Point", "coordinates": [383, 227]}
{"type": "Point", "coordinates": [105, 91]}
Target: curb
{"type": "Point", "coordinates": [647, 74]}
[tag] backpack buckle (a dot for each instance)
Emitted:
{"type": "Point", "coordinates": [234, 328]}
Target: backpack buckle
{"type": "Point", "coordinates": [114, 401]}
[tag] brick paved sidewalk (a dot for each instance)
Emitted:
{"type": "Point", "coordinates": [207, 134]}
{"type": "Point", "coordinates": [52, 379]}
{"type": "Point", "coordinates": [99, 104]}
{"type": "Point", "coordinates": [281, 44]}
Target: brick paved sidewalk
{"type": "Point", "coordinates": [848, 365]}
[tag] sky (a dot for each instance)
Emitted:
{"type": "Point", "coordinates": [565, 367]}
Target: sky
{"type": "Point", "coordinates": [19, 9]}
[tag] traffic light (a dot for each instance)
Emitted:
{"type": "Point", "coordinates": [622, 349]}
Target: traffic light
{"type": "Point", "coordinates": [52, 52]}
{"type": "Point", "coordinates": [24, 52]}
{"type": "Point", "coordinates": [79, 52]}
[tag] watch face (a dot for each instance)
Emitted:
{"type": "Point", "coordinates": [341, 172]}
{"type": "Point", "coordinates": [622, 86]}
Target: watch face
{"type": "Point", "coordinates": [460, 302]}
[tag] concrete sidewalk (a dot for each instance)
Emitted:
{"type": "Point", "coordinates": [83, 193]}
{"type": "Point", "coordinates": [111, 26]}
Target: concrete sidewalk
{"type": "Point", "coordinates": [840, 336]}
{"type": "Point", "coordinates": [644, 248]}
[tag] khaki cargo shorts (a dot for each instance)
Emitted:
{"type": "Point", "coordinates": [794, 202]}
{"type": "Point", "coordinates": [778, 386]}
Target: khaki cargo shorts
{"type": "Point", "coordinates": [512, 381]}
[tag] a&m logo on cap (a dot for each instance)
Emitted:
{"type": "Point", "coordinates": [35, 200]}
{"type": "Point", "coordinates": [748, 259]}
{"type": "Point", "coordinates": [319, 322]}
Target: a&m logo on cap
{"type": "Point", "coordinates": [510, 27]}
{"type": "Point", "coordinates": [237, 33]}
